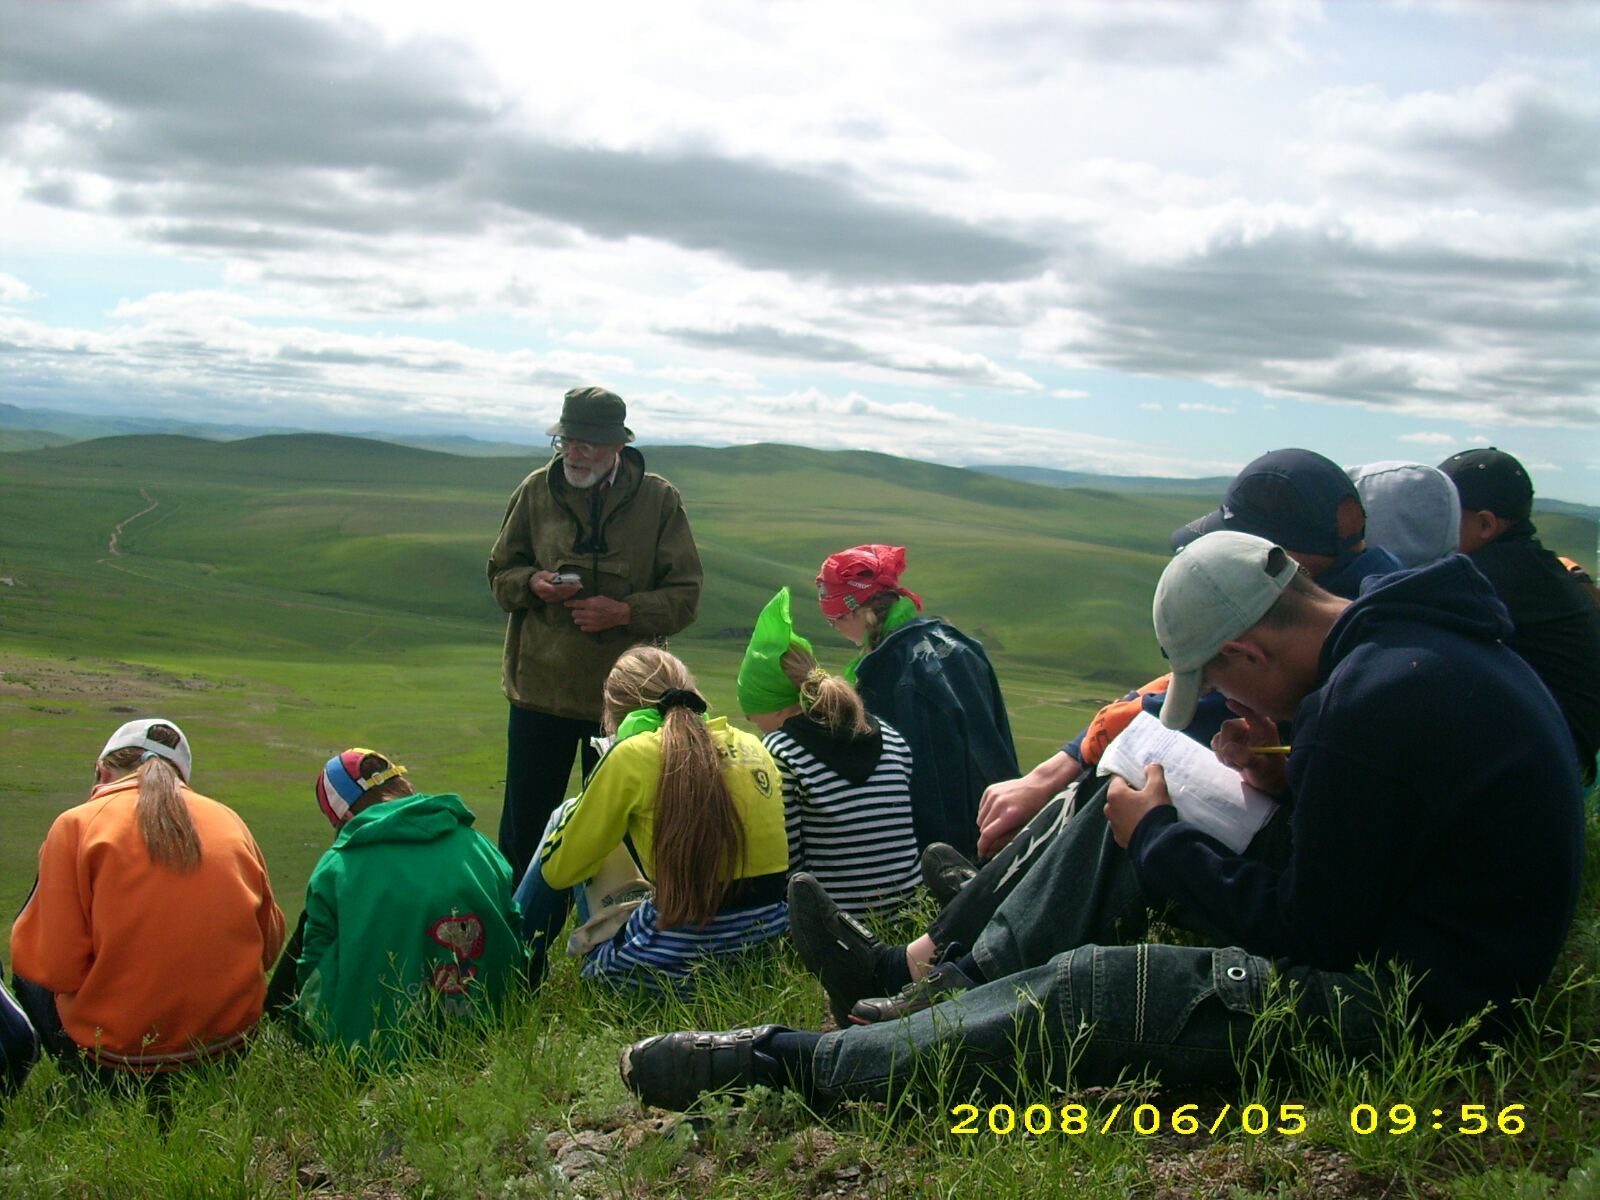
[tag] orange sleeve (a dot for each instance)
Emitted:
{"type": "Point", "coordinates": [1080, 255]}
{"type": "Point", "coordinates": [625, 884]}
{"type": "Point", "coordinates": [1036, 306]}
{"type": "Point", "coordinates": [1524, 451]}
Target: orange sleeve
{"type": "Point", "coordinates": [1114, 718]}
{"type": "Point", "coordinates": [50, 941]}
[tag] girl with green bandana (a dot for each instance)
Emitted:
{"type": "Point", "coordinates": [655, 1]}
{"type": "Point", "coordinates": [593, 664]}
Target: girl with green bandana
{"type": "Point", "coordinates": [927, 679]}
{"type": "Point", "coordinates": [846, 774]}
{"type": "Point", "coordinates": [697, 806]}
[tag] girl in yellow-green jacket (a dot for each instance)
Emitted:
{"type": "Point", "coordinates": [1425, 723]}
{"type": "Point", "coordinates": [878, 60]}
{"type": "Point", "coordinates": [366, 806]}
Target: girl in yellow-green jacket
{"type": "Point", "coordinates": [698, 806]}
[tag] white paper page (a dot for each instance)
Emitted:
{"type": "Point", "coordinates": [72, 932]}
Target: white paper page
{"type": "Point", "coordinates": [1206, 793]}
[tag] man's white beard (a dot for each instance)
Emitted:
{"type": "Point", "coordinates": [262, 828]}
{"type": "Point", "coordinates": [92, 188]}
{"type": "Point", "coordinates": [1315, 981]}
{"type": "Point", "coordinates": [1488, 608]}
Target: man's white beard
{"type": "Point", "coordinates": [584, 478]}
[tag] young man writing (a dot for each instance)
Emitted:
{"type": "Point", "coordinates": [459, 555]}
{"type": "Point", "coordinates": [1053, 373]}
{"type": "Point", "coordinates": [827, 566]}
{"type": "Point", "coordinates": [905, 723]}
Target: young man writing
{"type": "Point", "coordinates": [1437, 826]}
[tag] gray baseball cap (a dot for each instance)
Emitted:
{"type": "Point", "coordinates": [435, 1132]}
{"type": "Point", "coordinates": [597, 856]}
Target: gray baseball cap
{"type": "Point", "coordinates": [1213, 590]}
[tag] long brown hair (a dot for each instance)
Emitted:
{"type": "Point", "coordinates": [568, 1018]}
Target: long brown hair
{"type": "Point", "coordinates": [827, 699]}
{"type": "Point", "coordinates": [164, 820]}
{"type": "Point", "coordinates": [876, 610]}
{"type": "Point", "coordinates": [699, 836]}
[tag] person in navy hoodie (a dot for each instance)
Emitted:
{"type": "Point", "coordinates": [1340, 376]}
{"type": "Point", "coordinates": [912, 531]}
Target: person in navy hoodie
{"type": "Point", "coordinates": [1437, 854]}
{"type": "Point", "coordinates": [1063, 881]}
{"type": "Point", "coordinates": [1557, 627]}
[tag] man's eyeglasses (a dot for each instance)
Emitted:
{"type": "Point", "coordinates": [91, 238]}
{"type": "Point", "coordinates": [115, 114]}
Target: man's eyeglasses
{"type": "Point", "coordinates": [565, 443]}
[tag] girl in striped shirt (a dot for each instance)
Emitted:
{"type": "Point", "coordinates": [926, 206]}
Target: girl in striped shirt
{"type": "Point", "coordinates": [846, 776]}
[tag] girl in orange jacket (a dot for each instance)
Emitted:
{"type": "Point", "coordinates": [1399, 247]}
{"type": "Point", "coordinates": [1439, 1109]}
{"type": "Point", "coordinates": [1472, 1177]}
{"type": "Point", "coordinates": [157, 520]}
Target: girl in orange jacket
{"type": "Point", "coordinates": [152, 920]}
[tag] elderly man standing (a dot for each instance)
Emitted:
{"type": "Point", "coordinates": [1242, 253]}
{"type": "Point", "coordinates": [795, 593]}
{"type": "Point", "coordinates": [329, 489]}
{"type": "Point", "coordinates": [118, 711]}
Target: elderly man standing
{"type": "Point", "coordinates": [595, 555]}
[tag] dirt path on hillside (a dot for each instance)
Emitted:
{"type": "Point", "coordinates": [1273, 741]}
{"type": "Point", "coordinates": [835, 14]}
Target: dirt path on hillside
{"type": "Point", "coordinates": [116, 532]}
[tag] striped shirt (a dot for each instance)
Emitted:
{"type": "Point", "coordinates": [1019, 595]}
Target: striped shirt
{"type": "Point", "coordinates": [856, 838]}
{"type": "Point", "coordinates": [662, 960]}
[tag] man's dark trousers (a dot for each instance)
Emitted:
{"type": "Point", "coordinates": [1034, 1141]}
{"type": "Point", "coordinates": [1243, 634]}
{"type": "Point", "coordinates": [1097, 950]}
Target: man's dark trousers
{"type": "Point", "coordinates": [539, 753]}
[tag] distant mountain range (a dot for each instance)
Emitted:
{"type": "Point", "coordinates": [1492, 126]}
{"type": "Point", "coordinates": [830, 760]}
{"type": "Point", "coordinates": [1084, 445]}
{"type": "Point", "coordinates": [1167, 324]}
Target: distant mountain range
{"type": "Point", "coordinates": [1143, 484]}
{"type": "Point", "coordinates": [36, 428]}
{"type": "Point", "coordinates": [41, 428]}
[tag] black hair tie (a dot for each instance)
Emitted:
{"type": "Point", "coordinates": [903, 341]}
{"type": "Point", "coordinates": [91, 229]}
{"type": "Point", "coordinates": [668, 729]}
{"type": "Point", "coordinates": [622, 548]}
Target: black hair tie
{"type": "Point", "coordinates": [680, 698]}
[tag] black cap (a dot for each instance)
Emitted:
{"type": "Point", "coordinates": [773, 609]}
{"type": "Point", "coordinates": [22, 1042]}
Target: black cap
{"type": "Point", "coordinates": [1490, 480]}
{"type": "Point", "coordinates": [1290, 497]}
{"type": "Point", "coordinates": [592, 414]}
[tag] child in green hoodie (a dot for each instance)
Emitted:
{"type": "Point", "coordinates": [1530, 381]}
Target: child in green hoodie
{"type": "Point", "coordinates": [409, 912]}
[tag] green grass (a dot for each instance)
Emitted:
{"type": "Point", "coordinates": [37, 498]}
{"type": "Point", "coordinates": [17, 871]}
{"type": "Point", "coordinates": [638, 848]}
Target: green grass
{"type": "Point", "coordinates": [292, 596]}
{"type": "Point", "coordinates": [511, 1113]}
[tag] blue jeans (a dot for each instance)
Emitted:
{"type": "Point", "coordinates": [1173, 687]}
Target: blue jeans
{"type": "Point", "coordinates": [1099, 1014]}
{"type": "Point", "coordinates": [1080, 889]}
{"type": "Point", "coordinates": [544, 908]}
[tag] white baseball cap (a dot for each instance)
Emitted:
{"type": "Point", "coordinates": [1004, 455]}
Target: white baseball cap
{"type": "Point", "coordinates": [1213, 590]}
{"type": "Point", "coordinates": [137, 733]}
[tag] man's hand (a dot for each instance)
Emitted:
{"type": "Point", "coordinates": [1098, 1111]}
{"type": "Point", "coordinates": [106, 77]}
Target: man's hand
{"type": "Point", "coordinates": [1006, 807]}
{"type": "Point", "coordinates": [595, 613]}
{"type": "Point", "coordinates": [1126, 805]}
{"type": "Point", "coordinates": [1010, 804]}
{"type": "Point", "coordinates": [551, 593]}
{"type": "Point", "coordinates": [1233, 746]}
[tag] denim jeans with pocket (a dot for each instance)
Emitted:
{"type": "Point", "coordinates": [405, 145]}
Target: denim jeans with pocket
{"type": "Point", "coordinates": [1081, 889]}
{"type": "Point", "coordinates": [1097, 1015]}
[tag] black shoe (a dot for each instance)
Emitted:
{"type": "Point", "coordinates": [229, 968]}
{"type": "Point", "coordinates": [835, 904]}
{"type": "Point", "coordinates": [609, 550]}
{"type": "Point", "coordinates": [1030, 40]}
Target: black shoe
{"type": "Point", "coordinates": [945, 871]}
{"type": "Point", "coordinates": [673, 1070]}
{"type": "Point", "coordinates": [941, 983]}
{"type": "Point", "coordinates": [834, 946]}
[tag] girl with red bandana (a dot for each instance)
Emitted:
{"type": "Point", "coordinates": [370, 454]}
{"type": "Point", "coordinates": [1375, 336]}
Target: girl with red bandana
{"type": "Point", "coordinates": [927, 679]}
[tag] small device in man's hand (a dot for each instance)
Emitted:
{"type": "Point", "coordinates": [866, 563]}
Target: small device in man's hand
{"type": "Point", "coordinates": [561, 577]}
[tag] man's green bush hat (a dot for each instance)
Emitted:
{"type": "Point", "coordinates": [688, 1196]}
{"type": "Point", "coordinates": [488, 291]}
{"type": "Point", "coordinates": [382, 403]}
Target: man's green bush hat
{"type": "Point", "coordinates": [592, 414]}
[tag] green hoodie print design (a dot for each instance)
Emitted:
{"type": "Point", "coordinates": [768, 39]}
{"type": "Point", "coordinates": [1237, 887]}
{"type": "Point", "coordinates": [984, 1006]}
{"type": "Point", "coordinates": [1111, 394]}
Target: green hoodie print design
{"type": "Point", "coordinates": [408, 913]}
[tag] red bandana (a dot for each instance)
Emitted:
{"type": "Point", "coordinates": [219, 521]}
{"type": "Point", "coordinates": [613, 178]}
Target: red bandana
{"type": "Point", "coordinates": [851, 577]}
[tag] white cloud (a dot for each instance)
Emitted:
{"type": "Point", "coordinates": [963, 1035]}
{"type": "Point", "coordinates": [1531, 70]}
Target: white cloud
{"type": "Point", "coordinates": [13, 290]}
{"type": "Point", "coordinates": [385, 200]}
{"type": "Point", "coordinates": [1515, 134]}
{"type": "Point", "coordinates": [1429, 439]}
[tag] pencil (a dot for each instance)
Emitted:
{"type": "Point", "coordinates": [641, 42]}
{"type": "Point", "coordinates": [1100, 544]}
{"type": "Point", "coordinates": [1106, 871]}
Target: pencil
{"type": "Point", "coordinates": [1270, 749]}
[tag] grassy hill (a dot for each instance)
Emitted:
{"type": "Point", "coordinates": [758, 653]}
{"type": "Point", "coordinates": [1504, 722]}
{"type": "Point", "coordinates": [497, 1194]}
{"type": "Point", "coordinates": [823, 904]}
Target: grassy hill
{"type": "Point", "coordinates": [284, 597]}
{"type": "Point", "coordinates": [29, 439]}
{"type": "Point", "coordinates": [377, 523]}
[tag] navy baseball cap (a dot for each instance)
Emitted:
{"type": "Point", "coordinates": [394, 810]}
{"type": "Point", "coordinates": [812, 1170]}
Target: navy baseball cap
{"type": "Point", "coordinates": [1290, 497]}
{"type": "Point", "coordinates": [1491, 480]}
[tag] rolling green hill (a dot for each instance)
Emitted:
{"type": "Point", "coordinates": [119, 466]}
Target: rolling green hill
{"type": "Point", "coordinates": [29, 439]}
{"type": "Point", "coordinates": [375, 523]}
{"type": "Point", "coordinates": [283, 597]}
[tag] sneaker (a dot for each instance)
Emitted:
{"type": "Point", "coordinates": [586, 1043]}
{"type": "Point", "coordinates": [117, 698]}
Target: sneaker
{"type": "Point", "coordinates": [834, 946]}
{"type": "Point", "coordinates": [673, 1070]}
{"type": "Point", "coordinates": [943, 982]}
{"type": "Point", "coordinates": [945, 871]}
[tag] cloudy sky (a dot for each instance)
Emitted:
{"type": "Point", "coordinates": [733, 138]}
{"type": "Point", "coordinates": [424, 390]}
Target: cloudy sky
{"type": "Point", "coordinates": [1138, 237]}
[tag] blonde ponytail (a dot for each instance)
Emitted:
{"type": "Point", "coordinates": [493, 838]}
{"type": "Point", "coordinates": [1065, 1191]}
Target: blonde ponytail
{"type": "Point", "coordinates": [163, 815]}
{"type": "Point", "coordinates": [827, 699]}
{"type": "Point", "coordinates": [699, 836]}
{"type": "Point", "coordinates": [164, 818]}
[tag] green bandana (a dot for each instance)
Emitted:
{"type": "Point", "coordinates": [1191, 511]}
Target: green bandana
{"type": "Point", "coordinates": [646, 720]}
{"type": "Point", "coordinates": [901, 612]}
{"type": "Point", "coordinates": [640, 720]}
{"type": "Point", "coordinates": [763, 687]}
